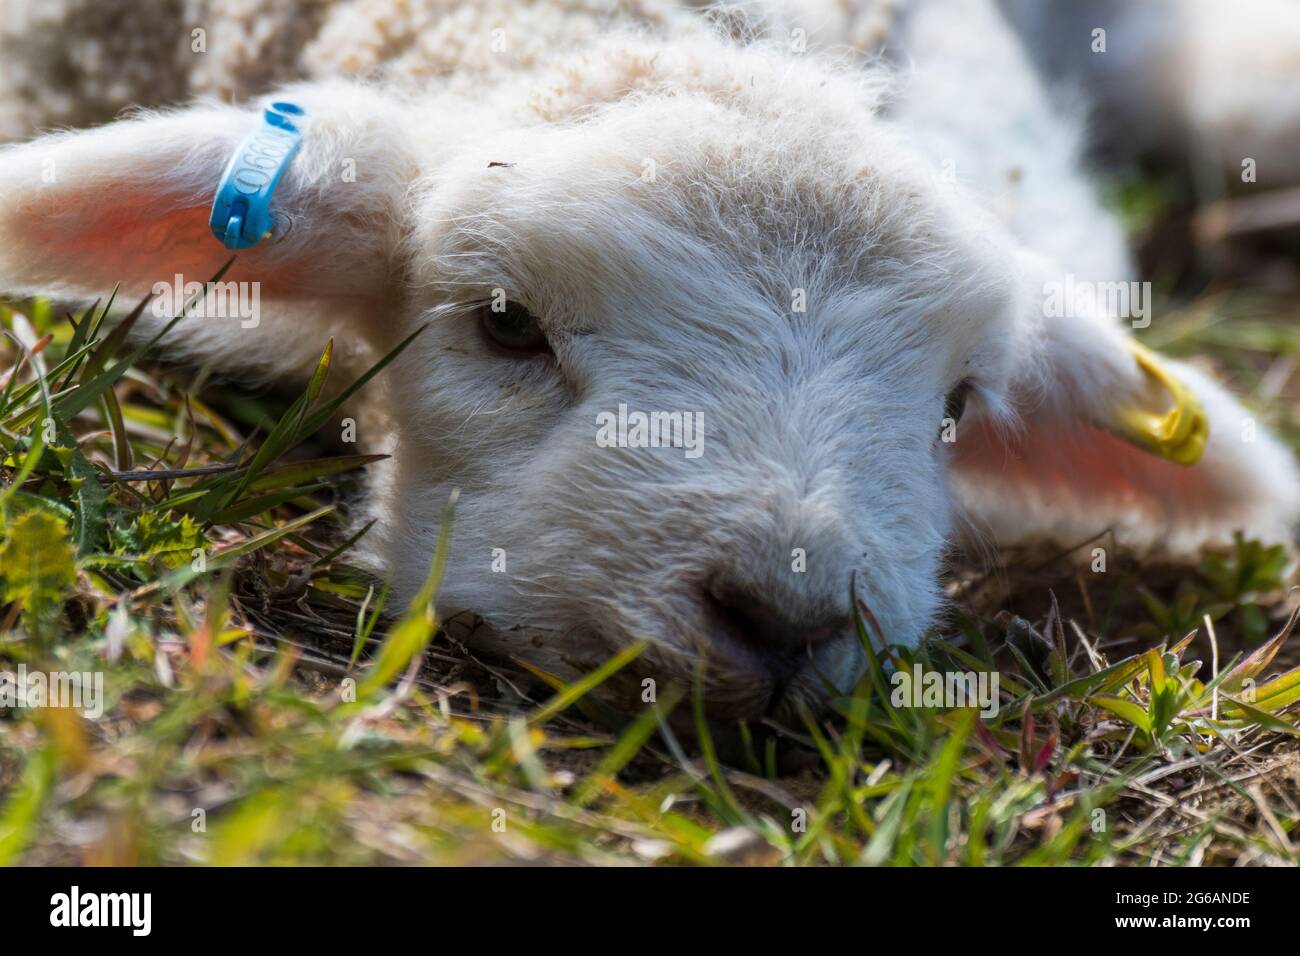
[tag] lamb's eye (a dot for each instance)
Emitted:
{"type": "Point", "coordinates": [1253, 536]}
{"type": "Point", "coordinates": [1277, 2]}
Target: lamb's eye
{"type": "Point", "coordinates": [955, 404]}
{"type": "Point", "coordinates": [513, 328]}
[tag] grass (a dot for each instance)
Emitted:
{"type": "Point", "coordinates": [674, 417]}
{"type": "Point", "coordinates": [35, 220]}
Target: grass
{"type": "Point", "coordinates": [265, 705]}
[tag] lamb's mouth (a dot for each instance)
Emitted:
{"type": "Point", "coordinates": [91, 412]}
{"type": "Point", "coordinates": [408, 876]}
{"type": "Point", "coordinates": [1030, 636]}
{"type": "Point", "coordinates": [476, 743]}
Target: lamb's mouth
{"type": "Point", "coordinates": [741, 679]}
{"type": "Point", "coordinates": [745, 682]}
{"type": "Point", "coordinates": [733, 640]}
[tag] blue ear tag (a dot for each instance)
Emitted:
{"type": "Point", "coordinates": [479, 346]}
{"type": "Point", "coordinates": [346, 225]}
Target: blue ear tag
{"type": "Point", "coordinates": [241, 209]}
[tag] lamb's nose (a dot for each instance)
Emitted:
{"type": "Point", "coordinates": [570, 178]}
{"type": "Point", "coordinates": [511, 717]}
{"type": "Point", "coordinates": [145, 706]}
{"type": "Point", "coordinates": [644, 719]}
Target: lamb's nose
{"type": "Point", "coordinates": [759, 617]}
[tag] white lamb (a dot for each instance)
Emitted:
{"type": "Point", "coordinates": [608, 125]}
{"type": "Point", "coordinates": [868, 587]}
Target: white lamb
{"type": "Point", "coordinates": [747, 231]}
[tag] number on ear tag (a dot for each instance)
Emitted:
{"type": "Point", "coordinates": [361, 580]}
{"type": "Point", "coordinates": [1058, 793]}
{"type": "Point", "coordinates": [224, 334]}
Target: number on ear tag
{"type": "Point", "coordinates": [241, 208]}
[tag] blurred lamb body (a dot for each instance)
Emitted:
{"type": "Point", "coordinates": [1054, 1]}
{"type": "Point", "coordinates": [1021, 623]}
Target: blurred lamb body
{"type": "Point", "coordinates": [1199, 82]}
{"type": "Point", "coordinates": [1175, 78]}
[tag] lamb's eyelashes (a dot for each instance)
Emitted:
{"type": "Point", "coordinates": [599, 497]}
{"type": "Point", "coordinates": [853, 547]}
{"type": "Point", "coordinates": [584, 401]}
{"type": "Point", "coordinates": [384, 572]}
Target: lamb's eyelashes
{"type": "Point", "coordinates": [954, 405]}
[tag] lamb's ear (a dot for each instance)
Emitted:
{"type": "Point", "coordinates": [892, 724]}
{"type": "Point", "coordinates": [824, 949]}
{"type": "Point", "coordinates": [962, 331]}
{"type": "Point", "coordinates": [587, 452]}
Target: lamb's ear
{"type": "Point", "coordinates": [129, 202]}
{"type": "Point", "coordinates": [1112, 436]}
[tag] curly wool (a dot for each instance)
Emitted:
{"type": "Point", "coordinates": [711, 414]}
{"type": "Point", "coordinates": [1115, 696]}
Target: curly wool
{"type": "Point", "coordinates": [82, 62]}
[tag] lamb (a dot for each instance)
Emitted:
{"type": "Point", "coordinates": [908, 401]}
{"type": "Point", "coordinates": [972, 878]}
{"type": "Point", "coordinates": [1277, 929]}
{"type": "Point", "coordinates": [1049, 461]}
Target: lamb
{"type": "Point", "coordinates": [1179, 78]}
{"type": "Point", "coordinates": [841, 273]}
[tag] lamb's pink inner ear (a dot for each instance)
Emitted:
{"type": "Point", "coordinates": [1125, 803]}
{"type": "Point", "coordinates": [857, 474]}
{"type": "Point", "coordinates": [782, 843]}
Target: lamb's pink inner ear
{"type": "Point", "coordinates": [124, 241]}
{"type": "Point", "coordinates": [141, 238]}
{"type": "Point", "coordinates": [1071, 464]}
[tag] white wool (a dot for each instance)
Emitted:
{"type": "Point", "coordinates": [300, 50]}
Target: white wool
{"type": "Point", "coordinates": [661, 192]}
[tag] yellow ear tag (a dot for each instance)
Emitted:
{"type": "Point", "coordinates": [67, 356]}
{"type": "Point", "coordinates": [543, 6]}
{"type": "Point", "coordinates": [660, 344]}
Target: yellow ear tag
{"type": "Point", "coordinates": [1178, 435]}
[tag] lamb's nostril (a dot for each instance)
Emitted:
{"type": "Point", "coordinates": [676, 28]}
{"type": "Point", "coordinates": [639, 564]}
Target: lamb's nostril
{"type": "Point", "coordinates": [757, 617]}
